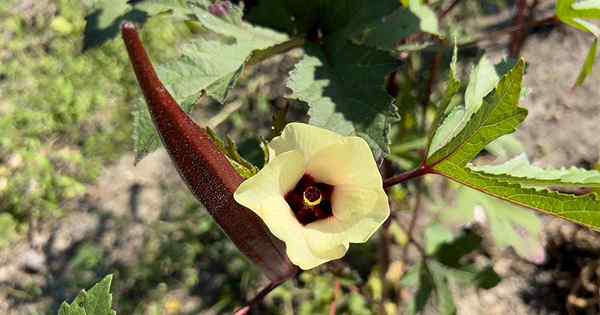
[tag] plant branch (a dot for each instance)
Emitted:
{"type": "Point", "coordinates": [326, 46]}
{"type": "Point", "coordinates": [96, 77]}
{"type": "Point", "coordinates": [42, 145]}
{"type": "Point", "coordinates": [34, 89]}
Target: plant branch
{"type": "Point", "coordinates": [413, 221]}
{"type": "Point", "coordinates": [422, 170]}
{"type": "Point", "coordinates": [447, 10]}
{"type": "Point", "coordinates": [509, 30]}
{"type": "Point", "coordinates": [260, 296]}
{"type": "Point", "coordinates": [517, 38]}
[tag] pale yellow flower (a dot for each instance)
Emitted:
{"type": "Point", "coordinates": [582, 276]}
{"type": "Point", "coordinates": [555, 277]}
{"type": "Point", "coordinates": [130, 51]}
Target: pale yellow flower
{"type": "Point", "coordinates": [319, 192]}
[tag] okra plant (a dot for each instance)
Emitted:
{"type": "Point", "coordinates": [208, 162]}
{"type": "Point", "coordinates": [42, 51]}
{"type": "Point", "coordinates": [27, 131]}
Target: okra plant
{"type": "Point", "coordinates": [384, 107]}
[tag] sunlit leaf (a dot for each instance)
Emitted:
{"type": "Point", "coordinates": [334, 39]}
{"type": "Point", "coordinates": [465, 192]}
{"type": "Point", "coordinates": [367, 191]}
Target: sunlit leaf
{"type": "Point", "coordinates": [577, 13]}
{"type": "Point", "coordinates": [96, 301]}
{"type": "Point", "coordinates": [210, 65]}
{"type": "Point", "coordinates": [500, 115]}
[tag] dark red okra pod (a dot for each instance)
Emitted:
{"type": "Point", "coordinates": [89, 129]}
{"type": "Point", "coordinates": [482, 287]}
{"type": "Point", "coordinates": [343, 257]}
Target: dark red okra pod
{"type": "Point", "coordinates": [204, 168]}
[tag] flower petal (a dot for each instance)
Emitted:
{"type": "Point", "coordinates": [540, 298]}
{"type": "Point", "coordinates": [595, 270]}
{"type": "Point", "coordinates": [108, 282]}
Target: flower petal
{"type": "Point", "coordinates": [304, 257]}
{"type": "Point", "coordinates": [275, 179]}
{"type": "Point", "coordinates": [263, 193]}
{"type": "Point", "coordinates": [350, 162]}
{"type": "Point", "coordinates": [306, 138]}
{"type": "Point", "coordinates": [350, 202]}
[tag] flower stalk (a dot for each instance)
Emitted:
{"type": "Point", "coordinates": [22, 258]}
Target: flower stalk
{"type": "Point", "coordinates": [204, 169]}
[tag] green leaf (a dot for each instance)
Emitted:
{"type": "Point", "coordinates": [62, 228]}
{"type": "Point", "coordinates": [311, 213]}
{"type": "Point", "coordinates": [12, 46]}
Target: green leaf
{"type": "Point", "coordinates": [519, 170]}
{"type": "Point", "coordinates": [103, 24]}
{"type": "Point", "coordinates": [586, 68]}
{"type": "Point", "coordinates": [432, 282]}
{"type": "Point", "coordinates": [445, 301]}
{"type": "Point", "coordinates": [505, 147]}
{"type": "Point", "coordinates": [482, 81]}
{"type": "Point", "coordinates": [210, 65]}
{"type": "Point", "coordinates": [509, 225]}
{"type": "Point", "coordinates": [96, 301]}
{"type": "Point", "coordinates": [428, 21]}
{"type": "Point", "coordinates": [452, 89]}
{"type": "Point", "coordinates": [404, 22]}
{"type": "Point", "coordinates": [329, 16]}
{"type": "Point", "coordinates": [500, 115]}
{"type": "Point", "coordinates": [343, 85]}
{"type": "Point", "coordinates": [178, 8]}
{"type": "Point", "coordinates": [230, 150]}
{"type": "Point", "coordinates": [576, 13]}
{"type": "Point", "coordinates": [435, 236]}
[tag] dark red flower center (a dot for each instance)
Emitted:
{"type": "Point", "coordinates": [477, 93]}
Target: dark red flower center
{"type": "Point", "coordinates": [310, 201]}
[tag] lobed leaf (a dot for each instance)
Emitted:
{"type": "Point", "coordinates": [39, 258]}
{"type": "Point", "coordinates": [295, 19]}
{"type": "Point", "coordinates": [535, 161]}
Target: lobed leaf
{"type": "Point", "coordinates": [519, 170]}
{"type": "Point", "coordinates": [210, 65]}
{"type": "Point", "coordinates": [500, 115]}
{"type": "Point", "coordinates": [96, 301]}
{"type": "Point", "coordinates": [346, 94]}
{"type": "Point", "coordinates": [496, 116]}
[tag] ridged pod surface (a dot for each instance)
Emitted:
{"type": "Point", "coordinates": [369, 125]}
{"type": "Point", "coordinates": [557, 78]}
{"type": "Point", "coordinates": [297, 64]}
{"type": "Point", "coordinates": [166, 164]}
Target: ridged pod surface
{"type": "Point", "coordinates": [204, 169]}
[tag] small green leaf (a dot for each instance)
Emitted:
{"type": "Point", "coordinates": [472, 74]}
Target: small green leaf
{"type": "Point", "coordinates": [452, 89]}
{"type": "Point", "coordinates": [482, 81]}
{"type": "Point", "coordinates": [575, 13]}
{"type": "Point", "coordinates": [497, 116]}
{"type": "Point", "coordinates": [96, 301]}
{"type": "Point", "coordinates": [229, 149]}
{"type": "Point", "coordinates": [586, 68]}
{"type": "Point", "coordinates": [445, 300]}
{"type": "Point", "coordinates": [433, 282]}
{"type": "Point", "coordinates": [428, 21]}
{"type": "Point", "coordinates": [435, 236]}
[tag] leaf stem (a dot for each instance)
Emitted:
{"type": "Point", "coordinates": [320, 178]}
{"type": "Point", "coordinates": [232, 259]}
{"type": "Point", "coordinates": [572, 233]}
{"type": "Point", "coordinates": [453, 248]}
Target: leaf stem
{"type": "Point", "coordinates": [418, 172]}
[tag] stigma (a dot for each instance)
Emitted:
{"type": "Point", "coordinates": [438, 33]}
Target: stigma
{"type": "Point", "coordinates": [312, 196]}
{"type": "Point", "coordinates": [310, 200]}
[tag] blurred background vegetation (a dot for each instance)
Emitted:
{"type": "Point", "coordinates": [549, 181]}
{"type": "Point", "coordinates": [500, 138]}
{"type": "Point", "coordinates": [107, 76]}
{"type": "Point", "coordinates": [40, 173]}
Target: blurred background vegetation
{"type": "Point", "coordinates": [73, 207]}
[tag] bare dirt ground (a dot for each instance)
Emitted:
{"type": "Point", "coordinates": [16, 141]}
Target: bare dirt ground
{"type": "Point", "coordinates": [563, 128]}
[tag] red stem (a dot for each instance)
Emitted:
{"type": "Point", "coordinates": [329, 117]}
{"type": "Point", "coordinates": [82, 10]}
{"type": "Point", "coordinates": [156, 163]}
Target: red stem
{"type": "Point", "coordinates": [204, 169]}
{"type": "Point", "coordinates": [518, 38]}
{"type": "Point", "coordinates": [423, 170]}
